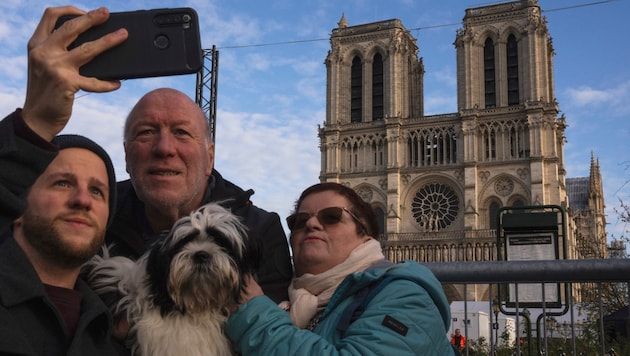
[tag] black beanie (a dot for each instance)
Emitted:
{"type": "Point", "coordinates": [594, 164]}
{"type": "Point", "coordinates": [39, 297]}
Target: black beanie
{"type": "Point", "coordinates": [78, 141]}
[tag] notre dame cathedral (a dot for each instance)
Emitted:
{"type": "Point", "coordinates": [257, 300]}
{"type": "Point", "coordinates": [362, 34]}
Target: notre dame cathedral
{"type": "Point", "coordinates": [438, 181]}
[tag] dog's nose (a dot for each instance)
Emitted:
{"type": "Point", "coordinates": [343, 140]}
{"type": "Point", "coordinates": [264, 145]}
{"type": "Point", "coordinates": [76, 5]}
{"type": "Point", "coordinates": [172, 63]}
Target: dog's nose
{"type": "Point", "coordinates": [201, 257]}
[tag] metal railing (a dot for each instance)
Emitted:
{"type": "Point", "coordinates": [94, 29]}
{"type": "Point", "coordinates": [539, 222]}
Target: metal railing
{"type": "Point", "coordinates": [538, 328]}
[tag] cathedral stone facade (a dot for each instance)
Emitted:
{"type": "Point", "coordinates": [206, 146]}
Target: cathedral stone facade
{"type": "Point", "coordinates": [438, 182]}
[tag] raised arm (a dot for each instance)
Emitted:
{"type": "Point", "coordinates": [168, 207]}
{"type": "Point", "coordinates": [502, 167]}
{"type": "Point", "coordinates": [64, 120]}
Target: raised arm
{"type": "Point", "coordinates": [53, 80]}
{"type": "Point", "coordinates": [53, 70]}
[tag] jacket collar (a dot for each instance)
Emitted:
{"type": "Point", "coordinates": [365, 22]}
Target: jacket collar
{"type": "Point", "coordinates": [18, 278]}
{"type": "Point", "coordinates": [20, 283]}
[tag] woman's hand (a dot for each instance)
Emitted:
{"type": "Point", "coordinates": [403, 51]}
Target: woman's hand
{"type": "Point", "coordinates": [251, 290]}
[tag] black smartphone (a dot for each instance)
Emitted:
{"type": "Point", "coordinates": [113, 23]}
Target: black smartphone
{"type": "Point", "coordinates": [161, 42]}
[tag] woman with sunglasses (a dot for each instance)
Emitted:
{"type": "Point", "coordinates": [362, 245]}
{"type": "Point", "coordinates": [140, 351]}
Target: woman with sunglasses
{"type": "Point", "coordinates": [345, 298]}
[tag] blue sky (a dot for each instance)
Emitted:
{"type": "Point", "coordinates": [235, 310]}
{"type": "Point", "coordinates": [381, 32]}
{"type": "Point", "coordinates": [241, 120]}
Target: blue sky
{"type": "Point", "coordinates": [272, 82]}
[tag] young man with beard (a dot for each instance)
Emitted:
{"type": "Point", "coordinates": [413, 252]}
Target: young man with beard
{"type": "Point", "coordinates": [56, 194]}
{"type": "Point", "coordinates": [45, 308]}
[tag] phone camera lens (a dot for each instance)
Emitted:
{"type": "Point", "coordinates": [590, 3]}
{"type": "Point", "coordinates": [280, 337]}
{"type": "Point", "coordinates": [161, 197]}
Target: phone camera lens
{"type": "Point", "coordinates": [161, 42]}
{"type": "Point", "coordinates": [186, 18]}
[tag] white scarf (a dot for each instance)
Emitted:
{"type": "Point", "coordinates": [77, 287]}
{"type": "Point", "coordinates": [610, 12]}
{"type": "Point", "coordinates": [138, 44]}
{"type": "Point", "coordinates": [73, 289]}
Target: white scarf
{"type": "Point", "coordinates": [310, 293]}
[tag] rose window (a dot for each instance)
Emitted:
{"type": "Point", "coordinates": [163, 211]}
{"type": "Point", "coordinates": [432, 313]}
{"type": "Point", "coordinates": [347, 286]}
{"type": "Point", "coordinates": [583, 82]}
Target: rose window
{"type": "Point", "coordinates": [435, 207]}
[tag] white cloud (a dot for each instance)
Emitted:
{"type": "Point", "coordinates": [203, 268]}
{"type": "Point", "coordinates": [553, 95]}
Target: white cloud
{"type": "Point", "coordinates": [259, 62]}
{"type": "Point", "coordinates": [438, 103]}
{"type": "Point", "coordinates": [309, 67]}
{"type": "Point", "coordinates": [276, 156]}
{"type": "Point", "coordinates": [14, 68]}
{"type": "Point", "coordinates": [313, 89]}
{"type": "Point", "coordinates": [615, 97]}
{"type": "Point", "coordinates": [445, 76]}
{"type": "Point", "coordinates": [585, 96]}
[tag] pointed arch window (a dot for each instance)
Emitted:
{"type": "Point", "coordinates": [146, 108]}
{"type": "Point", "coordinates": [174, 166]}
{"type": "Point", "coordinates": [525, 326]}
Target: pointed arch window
{"type": "Point", "coordinates": [356, 88]}
{"type": "Point", "coordinates": [377, 88]}
{"type": "Point", "coordinates": [375, 152]}
{"type": "Point", "coordinates": [380, 219]}
{"type": "Point", "coordinates": [414, 153]}
{"type": "Point", "coordinates": [378, 150]}
{"type": "Point", "coordinates": [355, 157]}
{"type": "Point", "coordinates": [512, 70]}
{"type": "Point", "coordinates": [513, 143]}
{"type": "Point", "coordinates": [490, 144]}
{"type": "Point", "coordinates": [493, 218]}
{"type": "Point", "coordinates": [489, 74]}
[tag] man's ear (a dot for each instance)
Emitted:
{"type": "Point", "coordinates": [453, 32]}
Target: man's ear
{"type": "Point", "coordinates": [210, 158]}
{"type": "Point", "coordinates": [126, 160]}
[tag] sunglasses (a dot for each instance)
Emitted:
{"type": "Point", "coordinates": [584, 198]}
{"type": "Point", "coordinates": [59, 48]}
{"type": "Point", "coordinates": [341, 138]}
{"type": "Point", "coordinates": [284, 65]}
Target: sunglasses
{"type": "Point", "coordinates": [326, 216]}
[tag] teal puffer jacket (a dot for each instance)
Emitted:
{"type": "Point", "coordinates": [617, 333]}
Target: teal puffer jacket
{"type": "Point", "coordinates": [409, 316]}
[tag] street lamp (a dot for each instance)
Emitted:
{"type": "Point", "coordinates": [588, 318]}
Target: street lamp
{"type": "Point", "coordinates": [495, 326]}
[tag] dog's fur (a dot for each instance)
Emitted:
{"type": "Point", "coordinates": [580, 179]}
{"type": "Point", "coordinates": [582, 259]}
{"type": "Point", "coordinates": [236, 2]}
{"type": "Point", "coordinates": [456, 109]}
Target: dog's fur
{"type": "Point", "coordinates": [177, 296]}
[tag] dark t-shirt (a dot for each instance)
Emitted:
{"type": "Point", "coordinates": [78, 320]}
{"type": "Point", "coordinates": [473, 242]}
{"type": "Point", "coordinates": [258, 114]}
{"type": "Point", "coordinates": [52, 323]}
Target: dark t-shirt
{"type": "Point", "coordinates": [68, 303]}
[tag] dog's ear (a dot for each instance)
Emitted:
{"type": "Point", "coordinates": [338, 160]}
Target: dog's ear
{"type": "Point", "coordinates": [158, 269]}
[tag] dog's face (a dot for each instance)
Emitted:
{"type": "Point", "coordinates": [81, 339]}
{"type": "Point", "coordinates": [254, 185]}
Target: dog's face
{"type": "Point", "coordinates": [201, 264]}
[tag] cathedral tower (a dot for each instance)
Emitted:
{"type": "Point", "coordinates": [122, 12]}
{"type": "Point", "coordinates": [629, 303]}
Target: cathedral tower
{"type": "Point", "coordinates": [437, 182]}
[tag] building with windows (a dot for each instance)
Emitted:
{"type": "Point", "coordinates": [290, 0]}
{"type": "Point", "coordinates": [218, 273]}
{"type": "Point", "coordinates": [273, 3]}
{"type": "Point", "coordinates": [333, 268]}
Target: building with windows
{"type": "Point", "coordinates": [437, 182]}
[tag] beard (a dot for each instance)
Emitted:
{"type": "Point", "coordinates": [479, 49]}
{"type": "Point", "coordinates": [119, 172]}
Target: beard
{"type": "Point", "coordinates": [49, 242]}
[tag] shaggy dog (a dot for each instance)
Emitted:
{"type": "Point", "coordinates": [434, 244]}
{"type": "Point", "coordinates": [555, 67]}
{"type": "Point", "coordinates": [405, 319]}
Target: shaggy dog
{"type": "Point", "coordinates": [177, 296]}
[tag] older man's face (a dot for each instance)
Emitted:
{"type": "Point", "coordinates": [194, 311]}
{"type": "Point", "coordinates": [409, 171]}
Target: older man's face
{"type": "Point", "coordinates": [169, 156]}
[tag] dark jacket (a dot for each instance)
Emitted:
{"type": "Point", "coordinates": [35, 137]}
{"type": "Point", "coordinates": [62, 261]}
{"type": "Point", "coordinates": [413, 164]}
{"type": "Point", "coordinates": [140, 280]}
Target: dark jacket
{"type": "Point", "coordinates": [21, 163]}
{"type": "Point", "coordinates": [130, 234]}
{"type": "Point", "coordinates": [30, 323]}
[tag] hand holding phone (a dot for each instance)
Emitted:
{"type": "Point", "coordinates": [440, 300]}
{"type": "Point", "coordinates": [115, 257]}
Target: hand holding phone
{"type": "Point", "coordinates": [53, 71]}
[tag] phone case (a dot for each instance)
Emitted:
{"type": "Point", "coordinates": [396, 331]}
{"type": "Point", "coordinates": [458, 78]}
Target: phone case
{"type": "Point", "coordinates": [161, 42]}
